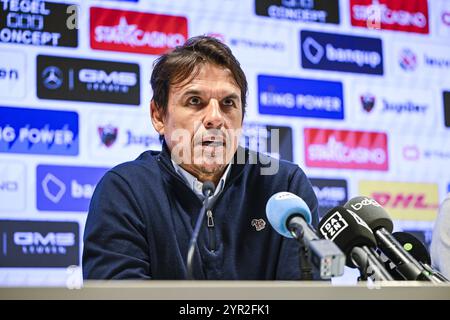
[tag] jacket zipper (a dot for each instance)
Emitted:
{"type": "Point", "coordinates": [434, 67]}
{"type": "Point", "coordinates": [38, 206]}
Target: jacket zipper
{"type": "Point", "coordinates": [211, 232]}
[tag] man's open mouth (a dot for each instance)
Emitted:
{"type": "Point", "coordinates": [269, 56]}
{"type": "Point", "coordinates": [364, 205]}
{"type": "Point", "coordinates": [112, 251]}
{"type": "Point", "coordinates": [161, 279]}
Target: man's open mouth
{"type": "Point", "coordinates": [210, 143]}
{"type": "Point", "coordinates": [213, 142]}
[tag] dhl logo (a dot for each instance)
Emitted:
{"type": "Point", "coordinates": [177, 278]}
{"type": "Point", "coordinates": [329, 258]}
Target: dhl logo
{"type": "Point", "coordinates": [404, 201]}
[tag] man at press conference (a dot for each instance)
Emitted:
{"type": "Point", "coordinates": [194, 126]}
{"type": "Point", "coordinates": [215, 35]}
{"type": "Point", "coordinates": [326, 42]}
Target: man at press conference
{"type": "Point", "coordinates": [144, 212]}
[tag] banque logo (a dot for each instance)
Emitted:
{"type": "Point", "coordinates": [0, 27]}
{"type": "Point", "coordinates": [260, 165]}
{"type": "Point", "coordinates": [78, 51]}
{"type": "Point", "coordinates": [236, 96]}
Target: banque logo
{"type": "Point", "coordinates": [339, 52]}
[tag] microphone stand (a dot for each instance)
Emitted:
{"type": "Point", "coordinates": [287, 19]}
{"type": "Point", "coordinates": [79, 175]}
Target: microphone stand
{"type": "Point", "coordinates": [304, 255]}
{"type": "Point", "coordinates": [208, 191]}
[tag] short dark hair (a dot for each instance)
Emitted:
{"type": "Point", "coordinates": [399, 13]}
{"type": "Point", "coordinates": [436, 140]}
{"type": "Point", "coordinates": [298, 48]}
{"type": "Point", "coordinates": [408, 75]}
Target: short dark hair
{"type": "Point", "coordinates": [181, 64]}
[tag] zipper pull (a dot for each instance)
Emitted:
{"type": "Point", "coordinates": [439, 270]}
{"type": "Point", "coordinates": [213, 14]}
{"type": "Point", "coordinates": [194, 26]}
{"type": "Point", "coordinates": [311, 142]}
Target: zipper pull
{"type": "Point", "coordinates": [210, 218]}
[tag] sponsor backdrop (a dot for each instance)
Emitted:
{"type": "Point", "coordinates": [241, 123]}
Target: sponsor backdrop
{"type": "Point", "coordinates": [357, 89]}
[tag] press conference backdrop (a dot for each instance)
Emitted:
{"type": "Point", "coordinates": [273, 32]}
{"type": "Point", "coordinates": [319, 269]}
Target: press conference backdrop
{"type": "Point", "coordinates": [359, 90]}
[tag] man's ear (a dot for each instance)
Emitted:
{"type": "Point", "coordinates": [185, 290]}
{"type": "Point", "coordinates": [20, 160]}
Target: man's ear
{"type": "Point", "coordinates": [157, 117]}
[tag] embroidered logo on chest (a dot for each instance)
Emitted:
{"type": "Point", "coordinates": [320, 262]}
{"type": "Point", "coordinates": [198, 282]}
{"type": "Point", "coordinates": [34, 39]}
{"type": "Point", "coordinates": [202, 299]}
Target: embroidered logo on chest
{"type": "Point", "coordinates": [259, 224]}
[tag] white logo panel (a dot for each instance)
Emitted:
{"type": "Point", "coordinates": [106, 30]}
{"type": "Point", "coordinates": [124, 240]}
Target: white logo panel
{"type": "Point", "coordinates": [252, 44]}
{"type": "Point", "coordinates": [393, 107]}
{"type": "Point", "coordinates": [121, 136]}
{"type": "Point", "coordinates": [12, 74]}
{"type": "Point", "coordinates": [12, 186]}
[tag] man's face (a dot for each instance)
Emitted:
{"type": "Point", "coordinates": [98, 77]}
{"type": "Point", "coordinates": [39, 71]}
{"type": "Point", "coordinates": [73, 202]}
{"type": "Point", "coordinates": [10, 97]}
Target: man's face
{"type": "Point", "coordinates": [203, 121]}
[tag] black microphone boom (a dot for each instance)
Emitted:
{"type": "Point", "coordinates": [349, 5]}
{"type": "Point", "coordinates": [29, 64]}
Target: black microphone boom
{"type": "Point", "coordinates": [381, 224]}
{"type": "Point", "coordinates": [418, 250]}
{"type": "Point", "coordinates": [354, 237]}
{"type": "Point", "coordinates": [208, 191]}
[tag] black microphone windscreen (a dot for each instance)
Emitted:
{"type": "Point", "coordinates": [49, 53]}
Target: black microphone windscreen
{"type": "Point", "coordinates": [371, 212]}
{"type": "Point", "coordinates": [414, 246]}
{"type": "Point", "coordinates": [208, 188]}
{"type": "Point", "coordinates": [347, 230]}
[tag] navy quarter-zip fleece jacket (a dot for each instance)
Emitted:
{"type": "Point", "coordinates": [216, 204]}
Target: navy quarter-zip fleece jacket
{"type": "Point", "coordinates": [142, 216]}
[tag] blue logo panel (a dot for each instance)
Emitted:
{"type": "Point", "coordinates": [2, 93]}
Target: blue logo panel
{"type": "Point", "coordinates": [37, 131]}
{"type": "Point", "coordinates": [300, 97]}
{"type": "Point", "coordinates": [62, 188]}
{"type": "Point", "coordinates": [337, 52]}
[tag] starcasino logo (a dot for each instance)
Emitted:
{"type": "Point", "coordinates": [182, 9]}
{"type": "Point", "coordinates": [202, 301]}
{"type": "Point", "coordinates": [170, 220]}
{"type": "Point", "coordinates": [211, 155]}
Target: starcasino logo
{"type": "Point", "coordinates": [137, 32]}
{"type": "Point", "coordinates": [345, 149]}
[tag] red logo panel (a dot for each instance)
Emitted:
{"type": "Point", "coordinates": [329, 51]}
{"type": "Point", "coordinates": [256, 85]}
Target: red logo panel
{"type": "Point", "coordinates": [138, 32]}
{"type": "Point", "coordinates": [344, 149]}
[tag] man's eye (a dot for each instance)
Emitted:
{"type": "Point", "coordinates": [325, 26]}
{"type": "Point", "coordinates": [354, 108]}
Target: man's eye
{"type": "Point", "coordinates": [228, 102]}
{"type": "Point", "coordinates": [194, 100]}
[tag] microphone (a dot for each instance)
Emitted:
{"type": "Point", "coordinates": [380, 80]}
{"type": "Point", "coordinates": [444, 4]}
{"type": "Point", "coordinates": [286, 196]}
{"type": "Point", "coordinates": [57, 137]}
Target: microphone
{"type": "Point", "coordinates": [290, 216]}
{"type": "Point", "coordinates": [380, 223]}
{"type": "Point", "coordinates": [418, 250]}
{"type": "Point", "coordinates": [207, 190]}
{"type": "Point", "coordinates": [353, 236]}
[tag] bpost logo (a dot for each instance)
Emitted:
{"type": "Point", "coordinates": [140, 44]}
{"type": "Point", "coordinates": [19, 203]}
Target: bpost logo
{"type": "Point", "coordinates": [12, 186]}
{"type": "Point", "coordinates": [321, 11]}
{"type": "Point", "coordinates": [344, 149]}
{"type": "Point", "coordinates": [38, 131]}
{"type": "Point", "coordinates": [337, 52]}
{"type": "Point", "coordinates": [60, 78]}
{"type": "Point", "coordinates": [12, 74]}
{"type": "Point", "coordinates": [408, 16]}
{"type": "Point", "coordinates": [300, 97]}
{"type": "Point", "coordinates": [39, 244]}
{"type": "Point", "coordinates": [446, 97]}
{"type": "Point", "coordinates": [63, 188]}
{"type": "Point", "coordinates": [38, 23]}
{"type": "Point", "coordinates": [137, 32]}
{"type": "Point", "coordinates": [330, 193]}
{"type": "Point", "coordinates": [121, 136]}
{"type": "Point", "coordinates": [404, 201]}
{"type": "Point", "coordinates": [275, 141]}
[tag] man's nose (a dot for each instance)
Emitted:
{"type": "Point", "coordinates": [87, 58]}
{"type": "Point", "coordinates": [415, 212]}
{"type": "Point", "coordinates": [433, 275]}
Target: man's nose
{"type": "Point", "coordinates": [213, 117]}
